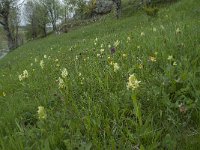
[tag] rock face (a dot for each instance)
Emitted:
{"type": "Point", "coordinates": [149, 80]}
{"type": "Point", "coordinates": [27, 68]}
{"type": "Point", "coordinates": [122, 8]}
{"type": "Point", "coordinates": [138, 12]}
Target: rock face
{"type": "Point", "coordinates": [103, 6]}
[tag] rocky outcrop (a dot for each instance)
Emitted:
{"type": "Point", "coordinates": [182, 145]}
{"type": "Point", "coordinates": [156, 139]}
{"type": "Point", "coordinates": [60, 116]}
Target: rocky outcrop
{"type": "Point", "coordinates": [103, 6]}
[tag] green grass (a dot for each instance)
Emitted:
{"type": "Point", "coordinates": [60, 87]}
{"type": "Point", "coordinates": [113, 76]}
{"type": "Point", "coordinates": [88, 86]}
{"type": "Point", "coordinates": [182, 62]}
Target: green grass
{"type": "Point", "coordinates": [95, 110]}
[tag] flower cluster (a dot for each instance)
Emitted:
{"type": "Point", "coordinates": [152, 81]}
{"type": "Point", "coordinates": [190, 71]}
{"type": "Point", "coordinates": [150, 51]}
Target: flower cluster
{"type": "Point", "coordinates": [41, 113]}
{"type": "Point", "coordinates": [24, 75]}
{"type": "Point", "coordinates": [133, 83]}
{"type": "Point", "coordinates": [64, 73]}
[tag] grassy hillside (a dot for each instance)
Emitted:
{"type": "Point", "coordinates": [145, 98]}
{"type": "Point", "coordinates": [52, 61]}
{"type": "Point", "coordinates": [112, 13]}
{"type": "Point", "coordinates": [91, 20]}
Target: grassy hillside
{"type": "Point", "coordinates": [94, 105]}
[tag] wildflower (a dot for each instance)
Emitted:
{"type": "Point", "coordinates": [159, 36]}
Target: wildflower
{"type": "Point", "coordinates": [116, 43]}
{"type": "Point", "coordinates": [178, 31]}
{"type": "Point", "coordinates": [4, 94]}
{"type": "Point", "coordinates": [79, 74]}
{"type": "Point", "coordinates": [64, 73]}
{"type": "Point", "coordinates": [20, 77]}
{"type": "Point", "coordinates": [98, 55]}
{"type": "Point", "coordinates": [96, 39]}
{"type": "Point", "coordinates": [142, 34]}
{"type": "Point", "coordinates": [36, 60]}
{"type": "Point", "coordinates": [116, 67]}
{"type": "Point", "coordinates": [101, 45]}
{"type": "Point", "coordinates": [95, 43]}
{"type": "Point", "coordinates": [138, 47]}
{"type": "Point", "coordinates": [156, 53]}
{"type": "Point", "coordinates": [56, 60]}
{"type": "Point", "coordinates": [124, 55]}
{"type": "Point", "coordinates": [31, 64]}
{"type": "Point", "coordinates": [109, 58]}
{"type": "Point", "coordinates": [140, 66]}
{"type": "Point", "coordinates": [170, 57]}
{"type": "Point", "coordinates": [154, 29]}
{"type": "Point", "coordinates": [109, 46]}
{"type": "Point", "coordinates": [61, 83]}
{"type": "Point", "coordinates": [133, 83]}
{"type": "Point", "coordinates": [102, 50]}
{"type": "Point", "coordinates": [41, 113]}
{"type": "Point", "coordinates": [112, 50]}
{"type": "Point", "coordinates": [45, 56]}
{"type": "Point", "coordinates": [153, 59]}
{"type": "Point", "coordinates": [42, 64]}
{"type": "Point", "coordinates": [128, 38]}
{"type": "Point", "coordinates": [174, 64]}
{"type": "Point", "coordinates": [25, 74]}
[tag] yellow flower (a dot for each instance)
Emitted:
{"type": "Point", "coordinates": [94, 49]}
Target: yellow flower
{"type": "Point", "coordinates": [116, 67]}
{"type": "Point", "coordinates": [133, 83]}
{"type": "Point", "coordinates": [170, 57]}
{"type": "Point", "coordinates": [178, 31]}
{"type": "Point", "coordinates": [42, 64]}
{"type": "Point", "coordinates": [124, 55]}
{"type": "Point", "coordinates": [174, 64]}
{"type": "Point", "coordinates": [98, 55]}
{"type": "Point", "coordinates": [153, 59]}
{"type": "Point", "coordinates": [25, 74]}
{"type": "Point", "coordinates": [142, 34]}
{"type": "Point", "coordinates": [64, 73]}
{"type": "Point", "coordinates": [102, 50]}
{"type": "Point", "coordinates": [41, 113]}
{"type": "Point", "coordinates": [61, 83]}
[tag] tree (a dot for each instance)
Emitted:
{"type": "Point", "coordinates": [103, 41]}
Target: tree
{"type": "Point", "coordinates": [8, 18]}
{"type": "Point", "coordinates": [54, 11]}
{"type": "Point", "coordinates": [37, 18]}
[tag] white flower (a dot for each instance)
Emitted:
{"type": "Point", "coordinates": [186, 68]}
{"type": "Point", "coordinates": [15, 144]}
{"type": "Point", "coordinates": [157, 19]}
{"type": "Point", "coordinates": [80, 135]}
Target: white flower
{"type": "Point", "coordinates": [56, 60]}
{"type": "Point", "coordinates": [64, 73]}
{"type": "Point", "coordinates": [42, 64]}
{"type": "Point", "coordinates": [20, 77]}
{"type": "Point", "coordinates": [61, 83]}
{"type": "Point", "coordinates": [45, 56]}
{"type": "Point", "coordinates": [79, 74]}
{"type": "Point", "coordinates": [101, 45]}
{"type": "Point", "coordinates": [25, 74]}
{"type": "Point", "coordinates": [133, 83]}
{"type": "Point", "coordinates": [178, 31]}
{"type": "Point", "coordinates": [109, 46]}
{"type": "Point", "coordinates": [174, 64]}
{"type": "Point", "coordinates": [41, 113]}
{"type": "Point", "coordinates": [128, 38]}
{"type": "Point", "coordinates": [170, 57]}
{"type": "Point", "coordinates": [142, 34]}
{"type": "Point", "coordinates": [116, 67]}
{"type": "Point", "coordinates": [124, 55]}
{"type": "Point", "coordinates": [98, 55]}
{"type": "Point", "coordinates": [101, 50]}
{"type": "Point", "coordinates": [154, 29]}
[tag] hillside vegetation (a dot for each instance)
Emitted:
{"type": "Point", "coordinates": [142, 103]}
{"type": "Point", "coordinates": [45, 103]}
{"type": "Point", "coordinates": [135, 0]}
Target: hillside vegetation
{"type": "Point", "coordinates": [132, 83]}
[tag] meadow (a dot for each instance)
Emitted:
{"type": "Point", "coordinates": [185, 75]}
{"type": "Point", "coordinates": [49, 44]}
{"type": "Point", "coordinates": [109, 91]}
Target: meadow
{"type": "Point", "coordinates": [132, 83]}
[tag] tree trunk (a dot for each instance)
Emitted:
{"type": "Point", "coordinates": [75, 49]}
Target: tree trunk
{"type": "Point", "coordinates": [10, 38]}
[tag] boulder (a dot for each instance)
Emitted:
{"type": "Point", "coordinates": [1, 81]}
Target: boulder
{"type": "Point", "coordinates": [103, 6]}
